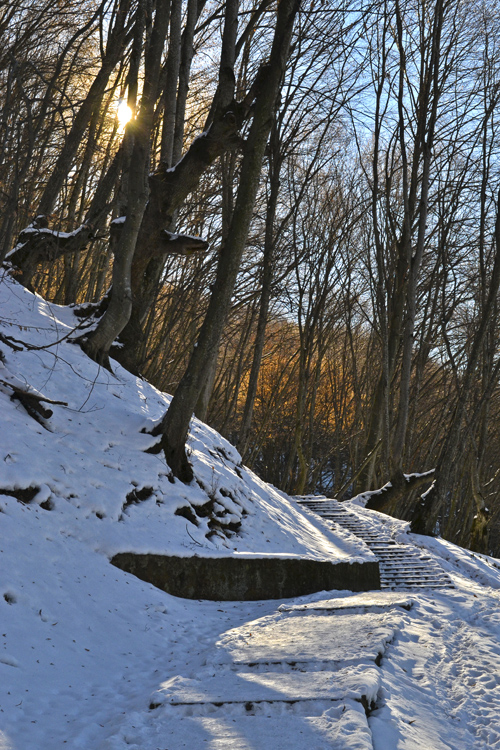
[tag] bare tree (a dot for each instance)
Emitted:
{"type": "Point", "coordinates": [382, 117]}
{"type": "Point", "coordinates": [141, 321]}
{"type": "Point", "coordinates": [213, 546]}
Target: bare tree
{"type": "Point", "coordinates": [174, 426]}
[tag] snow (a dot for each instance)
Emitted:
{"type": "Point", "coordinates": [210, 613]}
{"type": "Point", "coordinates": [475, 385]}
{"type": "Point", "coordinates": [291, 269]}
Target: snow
{"type": "Point", "coordinates": [361, 500]}
{"type": "Point", "coordinates": [308, 638]}
{"type": "Point", "coordinates": [93, 658]}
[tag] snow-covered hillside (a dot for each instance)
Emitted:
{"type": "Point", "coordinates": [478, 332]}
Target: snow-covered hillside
{"type": "Point", "coordinates": [92, 658]}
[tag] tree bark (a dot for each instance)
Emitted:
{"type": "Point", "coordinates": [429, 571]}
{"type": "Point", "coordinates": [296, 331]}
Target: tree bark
{"type": "Point", "coordinates": [175, 424]}
{"type": "Point", "coordinates": [265, 298]}
{"type": "Point", "coordinates": [114, 51]}
{"type": "Point", "coordinates": [428, 510]}
{"type": "Point", "coordinates": [97, 344]}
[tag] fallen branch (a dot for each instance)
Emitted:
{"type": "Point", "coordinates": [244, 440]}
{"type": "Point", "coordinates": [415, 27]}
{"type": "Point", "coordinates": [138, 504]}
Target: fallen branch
{"type": "Point", "coordinates": [32, 402]}
{"type": "Point", "coordinates": [13, 343]}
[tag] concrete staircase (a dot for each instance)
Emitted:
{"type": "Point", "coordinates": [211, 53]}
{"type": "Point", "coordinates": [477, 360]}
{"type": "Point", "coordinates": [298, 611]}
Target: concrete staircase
{"type": "Point", "coordinates": [402, 566]}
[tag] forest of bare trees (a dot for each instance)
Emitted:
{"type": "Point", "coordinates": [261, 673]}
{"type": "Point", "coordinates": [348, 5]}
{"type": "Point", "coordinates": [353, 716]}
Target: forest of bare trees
{"type": "Point", "coordinates": [296, 233]}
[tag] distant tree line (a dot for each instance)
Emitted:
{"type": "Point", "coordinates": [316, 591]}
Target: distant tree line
{"type": "Point", "coordinates": [297, 232]}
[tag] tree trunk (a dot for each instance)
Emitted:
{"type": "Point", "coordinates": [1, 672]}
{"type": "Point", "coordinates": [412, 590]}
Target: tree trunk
{"type": "Point", "coordinates": [171, 184]}
{"type": "Point", "coordinates": [175, 425]}
{"type": "Point", "coordinates": [427, 512]}
{"type": "Point", "coordinates": [97, 344]}
{"type": "Point", "coordinates": [93, 99]}
{"type": "Point", "coordinates": [265, 298]}
{"type": "Point", "coordinates": [427, 115]}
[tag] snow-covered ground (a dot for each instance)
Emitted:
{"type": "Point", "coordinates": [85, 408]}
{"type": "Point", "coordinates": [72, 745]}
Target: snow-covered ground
{"type": "Point", "coordinates": [93, 658]}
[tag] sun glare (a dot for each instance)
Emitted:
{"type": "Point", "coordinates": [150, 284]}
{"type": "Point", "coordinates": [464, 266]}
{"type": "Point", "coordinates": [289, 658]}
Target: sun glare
{"type": "Point", "coordinates": [124, 113]}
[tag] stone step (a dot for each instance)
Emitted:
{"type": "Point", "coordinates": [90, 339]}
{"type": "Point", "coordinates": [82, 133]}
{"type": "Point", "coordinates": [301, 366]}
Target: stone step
{"type": "Point", "coordinates": [316, 725]}
{"type": "Point", "coordinates": [411, 579]}
{"type": "Point", "coordinates": [346, 640]}
{"type": "Point", "coordinates": [356, 682]}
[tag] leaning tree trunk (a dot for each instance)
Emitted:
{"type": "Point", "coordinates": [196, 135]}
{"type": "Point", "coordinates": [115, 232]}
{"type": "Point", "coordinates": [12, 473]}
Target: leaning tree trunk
{"type": "Point", "coordinates": [98, 343]}
{"type": "Point", "coordinates": [265, 299]}
{"type": "Point", "coordinates": [115, 48]}
{"type": "Point", "coordinates": [432, 503]}
{"type": "Point", "coordinates": [175, 424]}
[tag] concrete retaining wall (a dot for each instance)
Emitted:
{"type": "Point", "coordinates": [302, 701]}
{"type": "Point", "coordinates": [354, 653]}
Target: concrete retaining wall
{"type": "Point", "coordinates": [247, 579]}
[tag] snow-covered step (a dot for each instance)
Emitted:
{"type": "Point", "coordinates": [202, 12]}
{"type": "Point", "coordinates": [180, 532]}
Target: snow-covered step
{"type": "Point", "coordinates": [402, 566]}
{"type": "Point", "coordinates": [319, 638]}
{"type": "Point", "coordinates": [357, 682]}
{"type": "Point", "coordinates": [317, 725]}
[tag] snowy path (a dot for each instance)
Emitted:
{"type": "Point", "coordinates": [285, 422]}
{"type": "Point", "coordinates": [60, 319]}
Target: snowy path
{"type": "Point", "coordinates": [127, 667]}
{"type": "Point", "coordinates": [302, 678]}
{"type": "Point", "coordinates": [296, 678]}
{"type": "Point", "coordinates": [441, 676]}
{"type": "Point", "coordinates": [251, 676]}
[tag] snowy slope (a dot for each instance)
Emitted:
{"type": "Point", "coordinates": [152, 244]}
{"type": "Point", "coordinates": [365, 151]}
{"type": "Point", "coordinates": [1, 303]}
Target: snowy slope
{"type": "Point", "coordinates": [93, 658]}
{"type": "Point", "coordinates": [88, 461]}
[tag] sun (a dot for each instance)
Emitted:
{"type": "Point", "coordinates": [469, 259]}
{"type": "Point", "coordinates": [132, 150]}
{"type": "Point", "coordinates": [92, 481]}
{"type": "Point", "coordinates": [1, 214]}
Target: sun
{"type": "Point", "coordinates": [124, 113]}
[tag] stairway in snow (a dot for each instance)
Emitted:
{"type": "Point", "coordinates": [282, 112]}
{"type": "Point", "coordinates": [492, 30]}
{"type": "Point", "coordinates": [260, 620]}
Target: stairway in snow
{"type": "Point", "coordinates": [402, 566]}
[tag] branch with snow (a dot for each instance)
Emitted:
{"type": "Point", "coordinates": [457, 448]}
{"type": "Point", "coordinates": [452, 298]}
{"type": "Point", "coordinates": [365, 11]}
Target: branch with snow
{"type": "Point", "coordinates": [380, 499]}
{"type": "Point", "coordinates": [37, 244]}
{"type": "Point", "coordinates": [170, 243]}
